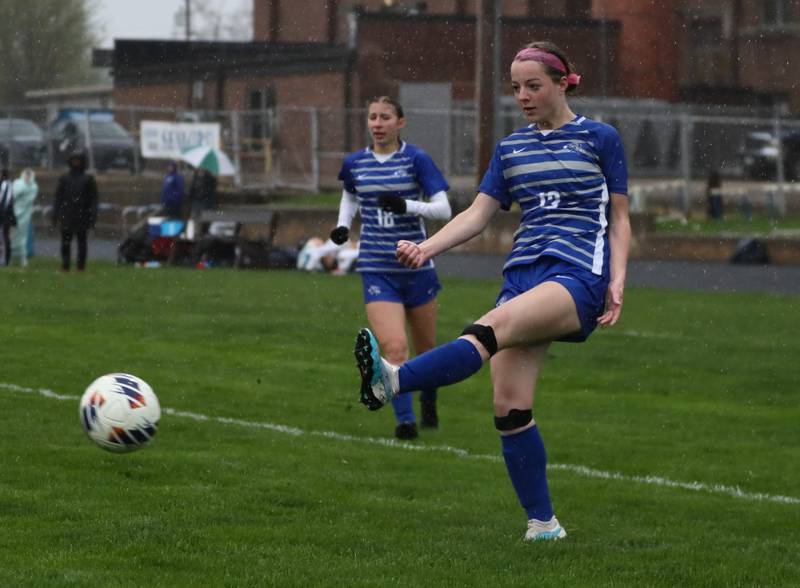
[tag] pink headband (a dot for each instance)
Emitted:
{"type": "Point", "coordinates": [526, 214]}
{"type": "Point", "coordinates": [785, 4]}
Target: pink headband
{"type": "Point", "coordinates": [533, 54]}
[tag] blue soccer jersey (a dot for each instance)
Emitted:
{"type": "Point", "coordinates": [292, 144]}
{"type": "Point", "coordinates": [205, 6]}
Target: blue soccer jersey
{"type": "Point", "coordinates": [410, 173]}
{"type": "Point", "coordinates": [562, 180]}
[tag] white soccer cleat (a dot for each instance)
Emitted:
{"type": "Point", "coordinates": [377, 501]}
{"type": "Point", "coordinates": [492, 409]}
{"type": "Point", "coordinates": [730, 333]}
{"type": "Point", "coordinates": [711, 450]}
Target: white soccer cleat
{"type": "Point", "coordinates": [379, 379]}
{"type": "Point", "coordinates": [541, 531]}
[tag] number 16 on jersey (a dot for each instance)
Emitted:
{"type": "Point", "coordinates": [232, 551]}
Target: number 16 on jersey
{"type": "Point", "coordinates": [385, 218]}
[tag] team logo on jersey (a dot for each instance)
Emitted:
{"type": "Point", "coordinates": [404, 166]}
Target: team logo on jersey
{"type": "Point", "coordinates": [575, 149]}
{"type": "Point", "coordinates": [374, 290]}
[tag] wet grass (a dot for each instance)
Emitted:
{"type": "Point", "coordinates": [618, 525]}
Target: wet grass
{"type": "Point", "coordinates": [734, 223]}
{"type": "Point", "coordinates": [690, 387]}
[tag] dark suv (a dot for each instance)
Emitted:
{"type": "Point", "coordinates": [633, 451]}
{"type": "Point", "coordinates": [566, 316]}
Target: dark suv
{"type": "Point", "coordinates": [22, 143]}
{"type": "Point", "coordinates": [759, 155]}
{"type": "Point", "coordinates": [111, 145]}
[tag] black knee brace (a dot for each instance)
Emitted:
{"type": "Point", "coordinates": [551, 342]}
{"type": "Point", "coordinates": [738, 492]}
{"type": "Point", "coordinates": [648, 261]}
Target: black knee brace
{"type": "Point", "coordinates": [483, 334]}
{"type": "Point", "coordinates": [514, 420]}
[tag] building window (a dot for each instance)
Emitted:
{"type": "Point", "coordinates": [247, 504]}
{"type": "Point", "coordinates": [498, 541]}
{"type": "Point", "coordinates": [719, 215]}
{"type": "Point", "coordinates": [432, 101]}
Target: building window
{"type": "Point", "coordinates": [260, 118]}
{"type": "Point", "coordinates": [777, 12]}
{"type": "Point", "coordinates": [198, 90]}
{"type": "Point", "coordinates": [707, 53]}
{"type": "Point", "coordinates": [706, 33]}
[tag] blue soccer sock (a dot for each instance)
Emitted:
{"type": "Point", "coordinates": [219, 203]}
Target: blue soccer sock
{"type": "Point", "coordinates": [527, 467]}
{"type": "Point", "coordinates": [443, 365]}
{"type": "Point", "coordinates": [404, 408]}
{"type": "Point", "coordinates": [428, 395]}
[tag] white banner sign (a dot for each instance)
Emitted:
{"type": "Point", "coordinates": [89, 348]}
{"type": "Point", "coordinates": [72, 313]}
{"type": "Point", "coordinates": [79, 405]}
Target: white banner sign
{"type": "Point", "coordinates": [166, 140]}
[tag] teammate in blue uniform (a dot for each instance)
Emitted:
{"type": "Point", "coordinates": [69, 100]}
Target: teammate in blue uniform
{"type": "Point", "coordinates": [564, 276]}
{"type": "Point", "coordinates": [395, 185]}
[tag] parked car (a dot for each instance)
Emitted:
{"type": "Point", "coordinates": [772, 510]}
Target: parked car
{"type": "Point", "coordinates": [22, 143]}
{"type": "Point", "coordinates": [759, 155]}
{"type": "Point", "coordinates": [112, 147]}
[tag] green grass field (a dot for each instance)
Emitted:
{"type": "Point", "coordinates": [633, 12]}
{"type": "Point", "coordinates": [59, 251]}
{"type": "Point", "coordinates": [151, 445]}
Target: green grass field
{"type": "Point", "coordinates": [267, 472]}
{"type": "Point", "coordinates": [734, 223]}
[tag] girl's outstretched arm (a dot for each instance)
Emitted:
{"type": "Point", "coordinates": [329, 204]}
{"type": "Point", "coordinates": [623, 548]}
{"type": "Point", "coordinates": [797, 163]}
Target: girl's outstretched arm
{"type": "Point", "coordinates": [462, 228]}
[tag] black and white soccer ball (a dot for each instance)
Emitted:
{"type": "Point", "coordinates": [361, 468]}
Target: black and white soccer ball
{"type": "Point", "coordinates": [120, 412]}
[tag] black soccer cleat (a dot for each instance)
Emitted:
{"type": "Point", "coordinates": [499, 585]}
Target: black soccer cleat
{"type": "Point", "coordinates": [375, 389]}
{"type": "Point", "coordinates": [429, 417]}
{"type": "Point", "coordinates": [406, 431]}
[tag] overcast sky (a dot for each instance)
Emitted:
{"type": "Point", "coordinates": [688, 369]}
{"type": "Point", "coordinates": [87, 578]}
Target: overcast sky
{"type": "Point", "coordinates": [142, 19]}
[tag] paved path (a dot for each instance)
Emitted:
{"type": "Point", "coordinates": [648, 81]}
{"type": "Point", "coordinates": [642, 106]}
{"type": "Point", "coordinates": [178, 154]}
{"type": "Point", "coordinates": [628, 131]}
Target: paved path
{"type": "Point", "coordinates": [684, 275]}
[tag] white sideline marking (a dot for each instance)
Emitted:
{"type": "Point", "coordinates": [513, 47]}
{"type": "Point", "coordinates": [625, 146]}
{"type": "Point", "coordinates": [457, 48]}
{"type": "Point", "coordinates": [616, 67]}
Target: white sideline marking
{"type": "Point", "coordinates": [587, 472]}
{"type": "Point", "coordinates": [646, 334]}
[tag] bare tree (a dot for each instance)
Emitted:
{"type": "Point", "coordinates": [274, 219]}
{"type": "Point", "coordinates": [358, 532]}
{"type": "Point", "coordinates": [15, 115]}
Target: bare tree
{"type": "Point", "coordinates": [44, 44]}
{"type": "Point", "coordinates": [210, 20]}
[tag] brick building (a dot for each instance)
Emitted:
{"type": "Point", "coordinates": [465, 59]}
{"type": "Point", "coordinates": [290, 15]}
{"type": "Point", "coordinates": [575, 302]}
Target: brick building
{"type": "Point", "coordinates": [334, 54]}
{"type": "Point", "coordinates": [714, 51]}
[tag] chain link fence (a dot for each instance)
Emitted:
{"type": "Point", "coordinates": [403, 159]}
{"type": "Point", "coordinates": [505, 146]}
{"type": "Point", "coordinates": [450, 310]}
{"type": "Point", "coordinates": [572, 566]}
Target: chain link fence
{"type": "Point", "coordinates": [671, 150]}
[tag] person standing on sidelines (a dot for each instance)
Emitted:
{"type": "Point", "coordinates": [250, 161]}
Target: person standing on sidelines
{"type": "Point", "coordinates": [394, 185]}
{"type": "Point", "coordinates": [7, 217]}
{"type": "Point", "coordinates": [25, 192]}
{"type": "Point", "coordinates": [202, 192]}
{"type": "Point", "coordinates": [564, 276]}
{"type": "Point", "coordinates": [172, 189]}
{"type": "Point", "coordinates": [75, 209]}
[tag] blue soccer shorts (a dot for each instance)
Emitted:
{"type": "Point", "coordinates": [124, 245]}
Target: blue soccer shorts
{"type": "Point", "coordinates": [587, 289]}
{"type": "Point", "coordinates": [411, 289]}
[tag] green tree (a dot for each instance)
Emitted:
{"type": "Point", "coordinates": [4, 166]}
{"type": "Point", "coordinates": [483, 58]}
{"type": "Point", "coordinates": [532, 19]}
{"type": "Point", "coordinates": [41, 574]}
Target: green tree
{"type": "Point", "coordinates": [44, 44]}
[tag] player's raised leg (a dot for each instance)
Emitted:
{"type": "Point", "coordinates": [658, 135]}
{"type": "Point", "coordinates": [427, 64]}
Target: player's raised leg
{"type": "Point", "coordinates": [544, 313]}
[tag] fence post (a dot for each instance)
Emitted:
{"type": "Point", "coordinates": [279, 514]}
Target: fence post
{"type": "Point", "coordinates": [448, 148]}
{"type": "Point", "coordinates": [10, 162]}
{"type": "Point", "coordinates": [637, 199]}
{"type": "Point", "coordinates": [780, 171]}
{"type": "Point", "coordinates": [687, 125]}
{"type": "Point", "coordinates": [269, 124]}
{"type": "Point", "coordinates": [237, 149]}
{"type": "Point", "coordinates": [137, 140]}
{"type": "Point", "coordinates": [88, 139]}
{"type": "Point", "coordinates": [48, 133]}
{"type": "Point", "coordinates": [314, 150]}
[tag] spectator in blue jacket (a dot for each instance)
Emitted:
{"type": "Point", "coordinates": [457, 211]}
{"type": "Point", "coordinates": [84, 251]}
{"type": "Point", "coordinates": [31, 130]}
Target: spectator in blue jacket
{"type": "Point", "coordinates": [172, 191]}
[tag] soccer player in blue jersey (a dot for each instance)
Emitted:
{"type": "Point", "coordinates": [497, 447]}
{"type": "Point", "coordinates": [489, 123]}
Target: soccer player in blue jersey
{"type": "Point", "coordinates": [395, 185]}
{"type": "Point", "coordinates": [564, 276]}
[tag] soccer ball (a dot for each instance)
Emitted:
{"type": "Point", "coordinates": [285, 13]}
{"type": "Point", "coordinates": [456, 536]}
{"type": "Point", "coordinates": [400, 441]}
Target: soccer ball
{"type": "Point", "coordinates": [120, 412]}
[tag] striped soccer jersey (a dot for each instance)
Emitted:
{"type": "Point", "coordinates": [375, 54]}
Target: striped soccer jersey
{"type": "Point", "coordinates": [562, 180]}
{"type": "Point", "coordinates": [410, 173]}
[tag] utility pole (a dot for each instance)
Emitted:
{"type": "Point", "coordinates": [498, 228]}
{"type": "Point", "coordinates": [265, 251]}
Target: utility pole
{"type": "Point", "coordinates": [188, 15]}
{"type": "Point", "coordinates": [188, 26]}
{"type": "Point", "coordinates": [497, 67]}
{"type": "Point", "coordinates": [603, 51]}
{"type": "Point", "coordinates": [485, 48]}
